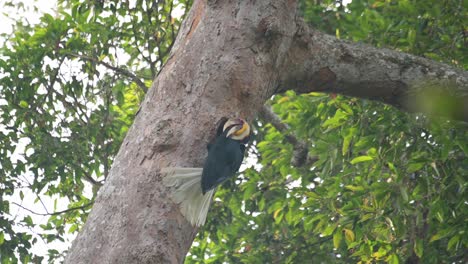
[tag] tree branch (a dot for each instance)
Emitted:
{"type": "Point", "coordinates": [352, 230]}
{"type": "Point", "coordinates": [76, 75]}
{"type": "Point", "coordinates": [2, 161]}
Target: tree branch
{"type": "Point", "coordinates": [301, 151]}
{"type": "Point", "coordinates": [406, 81]}
{"type": "Point", "coordinates": [91, 180]}
{"type": "Point", "coordinates": [54, 213]}
{"type": "Point", "coordinates": [118, 70]}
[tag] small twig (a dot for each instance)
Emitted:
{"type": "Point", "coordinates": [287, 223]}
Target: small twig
{"type": "Point", "coordinates": [43, 205]}
{"type": "Point", "coordinates": [79, 106]}
{"type": "Point", "coordinates": [104, 144]}
{"type": "Point", "coordinates": [37, 195]}
{"type": "Point", "coordinates": [54, 213]}
{"type": "Point", "coordinates": [118, 70]}
{"type": "Point", "coordinates": [69, 106]}
{"type": "Point", "coordinates": [91, 180]}
{"type": "Point", "coordinates": [171, 23]}
{"type": "Point", "coordinates": [300, 153]}
{"type": "Point", "coordinates": [53, 79]}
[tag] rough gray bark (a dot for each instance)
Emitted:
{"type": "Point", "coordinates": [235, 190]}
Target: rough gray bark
{"type": "Point", "coordinates": [229, 58]}
{"type": "Point", "coordinates": [320, 62]}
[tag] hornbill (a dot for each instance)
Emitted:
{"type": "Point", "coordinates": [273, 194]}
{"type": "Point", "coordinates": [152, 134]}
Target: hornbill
{"type": "Point", "coordinates": [193, 188]}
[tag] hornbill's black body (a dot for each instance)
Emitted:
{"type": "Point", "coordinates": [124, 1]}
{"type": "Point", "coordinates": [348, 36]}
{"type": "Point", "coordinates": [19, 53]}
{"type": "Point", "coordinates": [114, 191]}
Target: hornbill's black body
{"type": "Point", "coordinates": [193, 188]}
{"type": "Point", "coordinates": [224, 159]}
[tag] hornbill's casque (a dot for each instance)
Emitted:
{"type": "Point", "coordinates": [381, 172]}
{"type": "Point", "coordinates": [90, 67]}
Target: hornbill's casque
{"type": "Point", "coordinates": [193, 188]}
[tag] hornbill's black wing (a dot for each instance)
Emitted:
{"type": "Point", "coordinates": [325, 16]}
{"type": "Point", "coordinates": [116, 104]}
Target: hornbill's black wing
{"type": "Point", "coordinates": [224, 160]}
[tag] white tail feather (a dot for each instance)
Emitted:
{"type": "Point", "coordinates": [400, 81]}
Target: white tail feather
{"type": "Point", "coordinates": [186, 191]}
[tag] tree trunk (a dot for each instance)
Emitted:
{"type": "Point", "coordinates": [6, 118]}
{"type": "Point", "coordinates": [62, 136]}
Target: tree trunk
{"type": "Point", "coordinates": [229, 58]}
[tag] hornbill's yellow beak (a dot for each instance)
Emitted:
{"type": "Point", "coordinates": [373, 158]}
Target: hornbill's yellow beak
{"type": "Point", "coordinates": [238, 128]}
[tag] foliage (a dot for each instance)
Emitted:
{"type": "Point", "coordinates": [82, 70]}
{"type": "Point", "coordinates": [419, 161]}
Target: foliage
{"type": "Point", "coordinates": [69, 89]}
{"type": "Point", "coordinates": [384, 186]}
{"type": "Point", "coordinates": [433, 29]}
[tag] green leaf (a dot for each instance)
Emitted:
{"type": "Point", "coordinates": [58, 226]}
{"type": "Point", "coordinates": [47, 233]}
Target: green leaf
{"type": "Point", "coordinates": [404, 193]}
{"type": "Point", "coordinates": [261, 204]}
{"type": "Point", "coordinates": [23, 104]}
{"type": "Point", "coordinates": [453, 242]}
{"type": "Point", "coordinates": [412, 167]}
{"type": "Point", "coordinates": [2, 238]}
{"type": "Point", "coordinates": [329, 230]}
{"type": "Point", "coordinates": [278, 216]}
{"type": "Point", "coordinates": [249, 191]}
{"type": "Point", "coordinates": [380, 253]}
{"type": "Point", "coordinates": [393, 259]}
{"type": "Point", "coordinates": [366, 217]}
{"type": "Point", "coordinates": [418, 248]}
{"type": "Point", "coordinates": [312, 196]}
{"type": "Point", "coordinates": [337, 237]}
{"type": "Point", "coordinates": [441, 234]}
{"type": "Point", "coordinates": [355, 188]}
{"type": "Point", "coordinates": [347, 108]}
{"type": "Point", "coordinates": [463, 146]}
{"type": "Point", "coordinates": [73, 228]}
{"type": "Point", "coordinates": [346, 143]}
{"type": "Point", "coordinates": [28, 220]}
{"type": "Point", "coordinates": [349, 235]}
{"type": "Point", "coordinates": [372, 152]}
{"type": "Point", "coordinates": [361, 159]}
{"type": "Point", "coordinates": [336, 120]}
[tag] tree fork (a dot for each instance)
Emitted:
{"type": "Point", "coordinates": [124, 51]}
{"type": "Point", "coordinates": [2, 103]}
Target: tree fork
{"type": "Point", "coordinates": [228, 59]}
